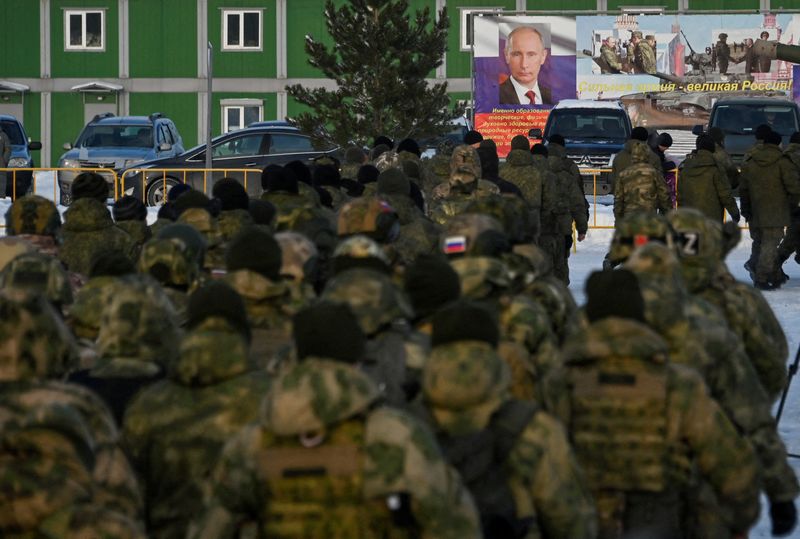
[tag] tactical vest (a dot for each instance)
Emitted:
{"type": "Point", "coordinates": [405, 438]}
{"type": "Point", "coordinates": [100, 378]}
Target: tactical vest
{"type": "Point", "coordinates": [315, 488]}
{"type": "Point", "coordinates": [480, 458]}
{"type": "Point", "coordinates": [619, 425]}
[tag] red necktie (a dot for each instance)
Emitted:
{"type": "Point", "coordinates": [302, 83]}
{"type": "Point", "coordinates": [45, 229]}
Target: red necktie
{"type": "Point", "coordinates": [531, 96]}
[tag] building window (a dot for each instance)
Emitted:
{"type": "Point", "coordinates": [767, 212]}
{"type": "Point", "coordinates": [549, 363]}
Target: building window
{"type": "Point", "coordinates": [83, 29]}
{"type": "Point", "coordinates": [241, 30]}
{"type": "Point", "coordinates": [238, 115]}
{"type": "Point", "coordinates": [466, 24]}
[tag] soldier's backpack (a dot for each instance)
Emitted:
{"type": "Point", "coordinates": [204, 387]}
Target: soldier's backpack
{"type": "Point", "coordinates": [480, 459]}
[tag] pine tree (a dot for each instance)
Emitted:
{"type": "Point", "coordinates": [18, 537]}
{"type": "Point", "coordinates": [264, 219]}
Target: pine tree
{"type": "Point", "coordinates": [379, 60]}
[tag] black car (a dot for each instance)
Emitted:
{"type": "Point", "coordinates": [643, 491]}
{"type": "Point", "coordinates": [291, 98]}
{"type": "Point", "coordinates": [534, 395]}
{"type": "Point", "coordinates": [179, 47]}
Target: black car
{"type": "Point", "coordinates": [234, 155]}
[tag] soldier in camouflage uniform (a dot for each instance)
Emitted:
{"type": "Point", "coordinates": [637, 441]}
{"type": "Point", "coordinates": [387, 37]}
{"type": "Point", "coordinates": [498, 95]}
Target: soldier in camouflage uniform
{"type": "Point", "coordinates": [723, 159]}
{"type": "Point", "coordinates": [11, 248]}
{"type": "Point", "coordinates": [254, 265]}
{"type": "Point", "coordinates": [520, 170]}
{"type": "Point", "coordinates": [234, 215]}
{"type": "Point", "coordinates": [194, 208]}
{"type": "Point", "coordinates": [464, 185]}
{"type": "Point", "coordinates": [622, 160]}
{"type": "Point", "coordinates": [130, 214]}
{"type": "Point", "coordinates": [39, 349]}
{"type": "Point", "coordinates": [299, 264]}
{"type": "Point", "coordinates": [700, 253]}
{"type": "Point", "coordinates": [136, 344]}
{"type": "Point", "coordinates": [354, 157]}
{"type": "Point", "coordinates": [609, 54]}
{"type": "Point", "coordinates": [39, 273]}
{"type": "Point", "coordinates": [393, 348]}
{"type": "Point", "coordinates": [639, 424]}
{"type": "Point", "coordinates": [36, 220]}
{"type": "Point", "coordinates": [790, 244]}
{"type": "Point", "coordinates": [514, 457]}
{"type": "Point", "coordinates": [647, 53]}
{"type": "Point", "coordinates": [439, 165]}
{"type": "Point", "coordinates": [568, 207]}
{"type": "Point", "coordinates": [634, 230]}
{"type": "Point", "coordinates": [528, 345]}
{"type": "Point", "coordinates": [324, 461]}
{"type": "Point", "coordinates": [640, 187]}
{"type": "Point", "coordinates": [372, 217]}
{"type": "Point", "coordinates": [769, 186]}
{"type": "Point", "coordinates": [698, 336]}
{"type": "Point", "coordinates": [175, 429]}
{"type": "Point", "coordinates": [88, 227]}
{"type": "Point", "coordinates": [703, 183]}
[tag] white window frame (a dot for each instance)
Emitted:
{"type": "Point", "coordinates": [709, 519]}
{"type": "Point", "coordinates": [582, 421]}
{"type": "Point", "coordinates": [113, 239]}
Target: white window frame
{"type": "Point", "coordinates": [240, 104]}
{"type": "Point", "coordinates": [68, 13]}
{"type": "Point", "coordinates": [240, 13]}
{"type": "Point", "coordinates": [465, 43]}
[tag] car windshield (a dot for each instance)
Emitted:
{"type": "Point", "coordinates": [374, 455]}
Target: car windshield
{"type": "Point", "coordinates": [743, 119]}
{"type": "Point", "coordinates": [13, 131]}
{"type": "Point", "coordinates": [580, 124]}
{"type": "Point", "coordinates": [116, 136]}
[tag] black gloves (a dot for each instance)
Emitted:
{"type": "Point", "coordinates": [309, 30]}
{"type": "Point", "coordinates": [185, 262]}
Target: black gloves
{"type": "Point", "coordinates": [783, 516]}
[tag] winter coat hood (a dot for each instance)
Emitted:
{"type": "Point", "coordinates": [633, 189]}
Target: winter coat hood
{"type": "Point", "coordinates": [315, 394]}
{"type": "Point", "coordinates": [766, 155]}
{"type": "Point", "coordinates": [87, 215]}
{"type": "Point", "coordinates": [519, 158]}
{"type": "Point", "coordinates": [209, 356]}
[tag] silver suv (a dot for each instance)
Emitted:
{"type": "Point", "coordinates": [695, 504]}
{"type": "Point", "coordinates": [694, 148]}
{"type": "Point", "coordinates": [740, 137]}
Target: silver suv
{"type": "Point", "coordinates": [117, 143]}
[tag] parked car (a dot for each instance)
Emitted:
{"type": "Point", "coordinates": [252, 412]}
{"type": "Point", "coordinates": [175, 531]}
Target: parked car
{"type": "Point", "coordinates": [254, 147]}
{"type": "Point", "coordinates": [116, 143]}
{"type": "Point", "coordinates": [21, 157]}
{"type": "Point", "coordinates": [593, 132]}
{"type": "Point", "coordinates": [738, 117]}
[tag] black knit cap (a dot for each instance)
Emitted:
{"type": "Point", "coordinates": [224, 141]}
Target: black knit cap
{"type": "Point", "coordinates": [129, 208]}
{"type": "Point", "coordinates": [278, 178]}
{"type": "Point", "coordinates": [177, 190]}
{"type": "Point", "coordinates": [262, 211]}
{"type": "Point", "coordinates": [90, 185]}
{"type": "Point", "coordinates": [431, 283]}
{"type": "Point", "coordinates": [665, 139]}
{"type": "Point", "coordinates": [256, 250]}
{"type": "Point", "coordinates": [640, 133]}
{"type": "Point", "coordinates": [718, 135]}
{"type": "Point", "coordinates": [191, 199]}
{"type": "Point", "coordinates": [368, 174]}
{"type": "Point", "coordinates": [539, 149]}
{"type": "Point", "coordinates": [464, 321]}
{"type": "Point", "coordinates": [762, 131]}
{"type": "Point", "coordinates": [329, 330]}
{"type": "Point", "coordinates": [472, 137]}
{"type": "Point", "coordinates": [490, 163]}
{"type": "Point", "coordinates": [383, 140]}
{"type": "Point", "coordinates": [520, 142]}
{"type": "Point", "coordinates": [557, 139]}
{"type": "Point", "coordinates": [217, 299]}
{"type": "Point", "coordinates": [773, 138]}
{"type": "Point", "coordinates": [231, 193]}
{"type": "Point", "coordinates": [327, 175]}
{"type": "Point", "coordinates": [705, 142]}
{"type": "Point", "coordinates": [300, 170]}
{"type": "Point", "coordinates": [354, 155]}
{"type": "Point", "coordinates": [614, 293]}
{"type": "Point", "coordinates": [392, 181]}
{"type": "Point", "coordinates": [409, 145]}
{"type": "Point", "coordinates": [795, 138]}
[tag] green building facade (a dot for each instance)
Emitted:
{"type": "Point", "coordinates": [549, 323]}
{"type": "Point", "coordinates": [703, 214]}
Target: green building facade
{"type": "Point", "coordinates": [67, 60]}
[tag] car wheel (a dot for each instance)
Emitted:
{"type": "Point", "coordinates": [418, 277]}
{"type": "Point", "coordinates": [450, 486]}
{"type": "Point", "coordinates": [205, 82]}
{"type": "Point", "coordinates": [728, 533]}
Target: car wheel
{"type": "Point", "coordinates": [157, 190]}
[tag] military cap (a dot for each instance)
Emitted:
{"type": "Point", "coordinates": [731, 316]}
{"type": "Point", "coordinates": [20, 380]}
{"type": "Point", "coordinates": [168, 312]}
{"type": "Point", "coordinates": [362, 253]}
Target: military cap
{"type": "Point", "coordinates": [39, 273]}
{"type": "Point", "coordinates": [255, 250]}
{"type": "Point", "coordinates": [649, 36]}
{"type": "Point", "coordinates": [32, 214]}
{"type": "Point", "coordinates": [328, 330]}
{"type": "Point", "coordinates": [636, 33]}
{"type": "Point", "coordinates": [723, 36]}
{"type": "Point", "coordinates": [370, 216]}
{"type": "Point", "coordinates": [299, 256]}
{"type": "Point", "coordinates": [520, 142]}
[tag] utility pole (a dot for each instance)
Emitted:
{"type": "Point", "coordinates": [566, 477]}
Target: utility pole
{"type": "Point", "coordinates": [209, 107]}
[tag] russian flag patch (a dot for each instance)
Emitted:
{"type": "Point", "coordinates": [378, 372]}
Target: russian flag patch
{"type": "Point", "coordinates": [455, 244]}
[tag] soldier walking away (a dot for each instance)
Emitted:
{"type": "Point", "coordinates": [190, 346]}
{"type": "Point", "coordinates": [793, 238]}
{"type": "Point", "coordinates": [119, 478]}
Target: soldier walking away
{"type": "Point", "coordinates": [769, 187]}
{"type": "Point", "coordinates": [704, 185]}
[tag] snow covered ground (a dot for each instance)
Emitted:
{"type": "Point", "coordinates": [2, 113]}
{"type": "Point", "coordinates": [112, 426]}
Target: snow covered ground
{"type": "Point", "coordinates": [589, 257]}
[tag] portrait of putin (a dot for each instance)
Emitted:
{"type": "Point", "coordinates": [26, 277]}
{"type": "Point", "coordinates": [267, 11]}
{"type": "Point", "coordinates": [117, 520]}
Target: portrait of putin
{"type": "Point", "coordinates": [525, 53]}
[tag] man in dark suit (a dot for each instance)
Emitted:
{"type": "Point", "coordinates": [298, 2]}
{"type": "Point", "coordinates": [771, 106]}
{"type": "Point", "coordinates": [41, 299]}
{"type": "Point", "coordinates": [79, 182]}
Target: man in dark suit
{"type": "Point", "coordinates": [525, 54]}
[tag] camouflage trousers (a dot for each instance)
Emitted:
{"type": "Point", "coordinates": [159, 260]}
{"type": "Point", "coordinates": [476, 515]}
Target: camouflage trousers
{"type": "Point", "coordinates": [555, 245]}
{"type": "Point", "coordinates": [791, 240]}
{"type": "Point", "coordinates": [764, 254]}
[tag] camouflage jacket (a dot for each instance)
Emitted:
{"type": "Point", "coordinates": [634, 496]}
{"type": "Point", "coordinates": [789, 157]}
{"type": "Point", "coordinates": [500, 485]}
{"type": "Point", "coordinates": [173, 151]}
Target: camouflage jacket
{"type": "Point", "coordinates": [611, 58]}
{"type": "Point", "coordinates": [640, 187]}
{"type": "Point", "coordinates": [769, 186]}
{"type": "Point", "coordinates": [175, 429]}
{"type": "Point", "coordinates": [520, 170]}
{"type": "Point", "coordinates": [464, 383]}
{"type": "Point", "coordinates": [633, 358]}
{"type": "Point", "coordinates": [570, 204]}
{"type": "Point", "coordinates": [702, 184]}
{"type": "Point", "coordinates": [439, 165]}
{"type": "Point", "coordinates": [623, 159]}
{"type": "Point", "coordinates": [418, 234]}
{"type": "Point", "coordinates": [381, 453]}
{"type": "Point", "coordinates": [648, 57]}
{"type": "Point", "coordinates": [725, 162]}
{"type": "Point", "coordinates": [231, 222]}
{"type": "Point", "coordinates": [138, 231]}
{"type": "Point", "coordinates": [447, 202]}
{"type": "Point", "coordinates": [88, 229]}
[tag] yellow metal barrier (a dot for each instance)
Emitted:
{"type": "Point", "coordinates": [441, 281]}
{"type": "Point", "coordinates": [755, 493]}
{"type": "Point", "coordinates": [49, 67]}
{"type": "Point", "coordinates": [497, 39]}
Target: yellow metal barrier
{"type": "Point", "coordinates": [180, 174]}
{"type": "Point", "coordinates": [33, 171]}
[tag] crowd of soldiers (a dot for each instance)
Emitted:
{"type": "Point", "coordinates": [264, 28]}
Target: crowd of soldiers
{"type": "Point", "coordinates": [640, 57]}
{"type": "Point", "coordinates": [386, 347]}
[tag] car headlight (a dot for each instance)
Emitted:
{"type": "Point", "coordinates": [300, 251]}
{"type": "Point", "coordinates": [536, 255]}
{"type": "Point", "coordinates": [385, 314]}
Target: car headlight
{"type": "Point", "coordinates": [18, 162]}
{"type": "Point", "coordinates": [69, 163]}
